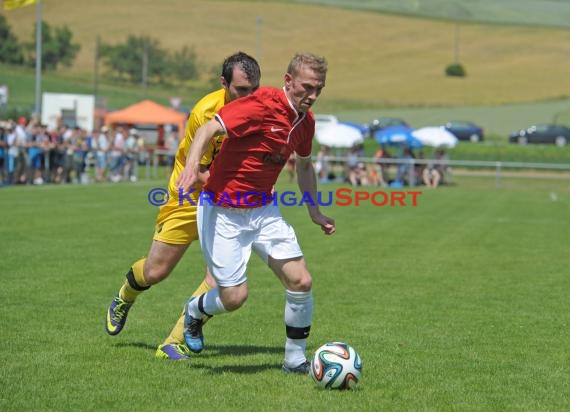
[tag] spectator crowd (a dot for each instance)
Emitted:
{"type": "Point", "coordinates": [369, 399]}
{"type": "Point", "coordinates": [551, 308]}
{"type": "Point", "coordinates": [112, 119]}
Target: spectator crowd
{"type": "Point", "coordinates": [384, 169]}
{"type": "Point", "coordinates": [32, 154]}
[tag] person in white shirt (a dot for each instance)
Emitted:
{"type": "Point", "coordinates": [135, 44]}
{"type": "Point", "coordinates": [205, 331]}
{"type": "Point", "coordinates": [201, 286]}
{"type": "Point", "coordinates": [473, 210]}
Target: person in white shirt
{"type": "Point", "coordinates": [102, 147]}
{"type": "Point", "coordinates": [20, 144]}
{"type": "Point", "coordinates": [131, 156]}
{"type": "Point", "coordinates": [117, 155]}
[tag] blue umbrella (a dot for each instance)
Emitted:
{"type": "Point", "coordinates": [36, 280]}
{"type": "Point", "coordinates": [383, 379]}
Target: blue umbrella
{"type": "Point", "coordinates": [397, 136]}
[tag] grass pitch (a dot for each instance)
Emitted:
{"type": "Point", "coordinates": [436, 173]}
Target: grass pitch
{"type": "Point", "coordinates": [459, 303]}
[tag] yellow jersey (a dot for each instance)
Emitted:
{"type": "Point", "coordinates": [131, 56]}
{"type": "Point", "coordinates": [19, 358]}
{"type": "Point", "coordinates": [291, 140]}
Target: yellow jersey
{"type": "Point", "coordinates": [202, 112]}
{"type": "Point", "coordinates": [176, 220]}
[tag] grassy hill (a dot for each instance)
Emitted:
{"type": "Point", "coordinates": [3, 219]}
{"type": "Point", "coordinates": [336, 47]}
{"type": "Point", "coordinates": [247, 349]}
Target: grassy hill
{"type": "Point", "coordinates": [116, 95]}
{"type": "Point", "coordinates": [554, 13]}
{"type": "Point", "coordinates": [376, 60]}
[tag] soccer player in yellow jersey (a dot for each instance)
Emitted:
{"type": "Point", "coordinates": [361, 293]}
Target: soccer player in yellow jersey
{"type": "Point", "coordinates": [176, 221]}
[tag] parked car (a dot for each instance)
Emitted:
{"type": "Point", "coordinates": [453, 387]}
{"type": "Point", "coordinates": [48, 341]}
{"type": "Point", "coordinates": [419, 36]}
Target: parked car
{"type": "Point", "coordinates": [383, 123]}
{"type": "Point", "coordinates": [542, 133]}
{"type": "Point", "coordinates": [465, 131]}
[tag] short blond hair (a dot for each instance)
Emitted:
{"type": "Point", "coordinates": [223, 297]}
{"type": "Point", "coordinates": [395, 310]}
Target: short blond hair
{"type": "Point", "coordinates": [316, 63]}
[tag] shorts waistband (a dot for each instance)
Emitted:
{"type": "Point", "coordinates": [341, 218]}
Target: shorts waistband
{"type": "Point", "coordinates": [241, 210]}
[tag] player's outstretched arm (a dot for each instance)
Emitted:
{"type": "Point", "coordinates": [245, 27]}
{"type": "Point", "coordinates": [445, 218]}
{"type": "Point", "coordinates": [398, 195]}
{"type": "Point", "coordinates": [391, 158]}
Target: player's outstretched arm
{"type": "Point", "coordinates": [307, 181]}
{"type": "Point", "coordinates": [191, 172]}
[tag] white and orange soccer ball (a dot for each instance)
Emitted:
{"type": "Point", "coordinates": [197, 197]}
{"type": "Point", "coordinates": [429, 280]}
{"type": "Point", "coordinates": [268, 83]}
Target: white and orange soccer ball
{"type": "Point", "coordinates": [336, 365]}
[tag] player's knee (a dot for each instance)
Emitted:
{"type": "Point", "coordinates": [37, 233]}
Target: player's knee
{"type": "Point", "coordinates": [234, 300]}
{"type": "Point", "coordinates": [153, 274]}
{"type": "Point", "coordinates": [306, 283]}
{"type": "Point", "coordinates": [233, 303]}
{"type": "Point", "coordinates": [303, 283]}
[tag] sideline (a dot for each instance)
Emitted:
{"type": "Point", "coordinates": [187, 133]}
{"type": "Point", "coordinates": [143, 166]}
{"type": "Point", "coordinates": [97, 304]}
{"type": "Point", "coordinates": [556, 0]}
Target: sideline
{"type": "Point", "coordinates": [520, 173]}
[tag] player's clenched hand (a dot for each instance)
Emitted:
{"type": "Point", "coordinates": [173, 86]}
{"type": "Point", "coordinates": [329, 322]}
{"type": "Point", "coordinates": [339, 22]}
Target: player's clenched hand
{"type": "Point", "coordinates": [187, 178]}
{"type": "Point", "coordinates": [326, 223]}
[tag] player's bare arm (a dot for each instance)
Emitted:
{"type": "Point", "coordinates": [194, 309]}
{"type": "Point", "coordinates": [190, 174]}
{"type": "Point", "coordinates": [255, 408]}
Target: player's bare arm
{"type": "Point", "coordinates": [192, 172]}
{"type": "Point", "coordinates": [204, 174]}
{"type": "Point", "coordinates": [307, 181]}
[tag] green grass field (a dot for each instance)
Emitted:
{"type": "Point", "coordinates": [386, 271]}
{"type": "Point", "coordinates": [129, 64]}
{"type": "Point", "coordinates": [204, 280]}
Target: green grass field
{"type": "Point", "coordinates": [459, 303]}
{"type": "Point", "coordinates": [496, 150]}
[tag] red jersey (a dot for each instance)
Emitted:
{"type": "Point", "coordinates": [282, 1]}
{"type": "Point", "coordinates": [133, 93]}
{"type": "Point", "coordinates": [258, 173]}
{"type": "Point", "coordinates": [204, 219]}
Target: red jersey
{"type": "Point", "coordinates": [262, 129]}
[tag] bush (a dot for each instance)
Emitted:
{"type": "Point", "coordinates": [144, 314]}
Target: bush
{"type": "Point", "coordinates": [57, 47]}
{"type": "Point", "coordinates": [15, 112]}
{"type": "Point", "coordinates": [10, 49]}
{"type": "Point", "coordinates": [126, 59]}
{"type": "Point", "coordinates": [455, 70]}
{"type": "Point", "coordinates": [182, 65]}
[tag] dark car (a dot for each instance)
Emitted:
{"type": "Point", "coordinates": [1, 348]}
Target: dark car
{"type": "Point", "coordinates": [383, 123]}
{"type": "Point", "coordinates": [542, 133]}
{"type": "Point", "coordinates": [465, 131]}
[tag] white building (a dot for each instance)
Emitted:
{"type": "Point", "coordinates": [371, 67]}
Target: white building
{"type": "Point", "coordinates": [69, 109]}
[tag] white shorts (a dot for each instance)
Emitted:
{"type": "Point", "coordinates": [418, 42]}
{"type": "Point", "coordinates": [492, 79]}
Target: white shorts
{"type": "Point", "coordinates": [227, 236]}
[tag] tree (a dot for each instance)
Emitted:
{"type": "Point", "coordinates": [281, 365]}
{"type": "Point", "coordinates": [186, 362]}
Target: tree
{"type": "Point", "coordinates": [10, 48]}
{"type": "Point", "coordinates": [182, 65]}
{"type": "Point", "coordinates": [127, 59]}
{"type": "Point", "coordinates": [57, 47]}
{"type": "Point", "coordinates": [214, 76]}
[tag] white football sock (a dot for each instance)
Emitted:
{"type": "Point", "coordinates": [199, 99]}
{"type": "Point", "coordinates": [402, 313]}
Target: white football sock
{"type": "Point", "coordinates": [298, 317]}
{"type": "Point", "coordinates": [208, 303]}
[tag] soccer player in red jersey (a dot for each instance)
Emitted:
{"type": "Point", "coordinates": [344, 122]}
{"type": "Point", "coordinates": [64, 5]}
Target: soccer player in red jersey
{"type": "Point", "coordinates": [239, 215]}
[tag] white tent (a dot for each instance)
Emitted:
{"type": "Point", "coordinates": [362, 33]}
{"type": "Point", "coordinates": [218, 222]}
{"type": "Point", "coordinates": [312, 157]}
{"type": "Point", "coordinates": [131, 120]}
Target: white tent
{"type": "Point", "coordinates": [435, 137]}
{"type": "Point", "coordinates": [339, 136]}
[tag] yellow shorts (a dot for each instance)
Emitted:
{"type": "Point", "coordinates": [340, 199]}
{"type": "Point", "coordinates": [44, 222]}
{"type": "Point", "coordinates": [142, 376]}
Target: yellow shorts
{"type": "Point", "coordinates": [176, 224]}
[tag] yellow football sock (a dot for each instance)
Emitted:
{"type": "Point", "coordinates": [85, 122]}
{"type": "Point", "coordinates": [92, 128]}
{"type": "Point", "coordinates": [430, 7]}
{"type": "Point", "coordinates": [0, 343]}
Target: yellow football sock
{"type": "Point", "coordinates": [200, 290]}
{"type": "Point", "coordinates": [128, 292]}
{"type": "Point", "coordinates": [177, 333]}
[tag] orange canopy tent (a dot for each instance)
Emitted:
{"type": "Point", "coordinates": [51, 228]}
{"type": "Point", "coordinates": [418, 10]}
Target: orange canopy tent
{"type": "Point", "coordinates": [148, 112]}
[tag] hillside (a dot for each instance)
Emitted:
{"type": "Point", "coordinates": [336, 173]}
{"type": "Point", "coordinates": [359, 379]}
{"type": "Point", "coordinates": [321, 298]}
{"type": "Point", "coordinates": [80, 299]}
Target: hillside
{"type": "Point", "coordinates": [375, 59]}
{"type": "Point", "coordinates": [553, 13]}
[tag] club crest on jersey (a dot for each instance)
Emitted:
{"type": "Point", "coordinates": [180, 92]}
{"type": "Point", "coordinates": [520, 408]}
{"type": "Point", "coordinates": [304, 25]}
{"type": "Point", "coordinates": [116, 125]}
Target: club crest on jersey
{"type": "Point", "coordinates": [276, 158]}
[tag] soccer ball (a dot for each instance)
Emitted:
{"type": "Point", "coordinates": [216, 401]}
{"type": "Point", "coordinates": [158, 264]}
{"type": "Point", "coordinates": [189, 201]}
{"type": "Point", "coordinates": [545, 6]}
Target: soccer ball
{"type": "Point", "coordinates": [336, 365]}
